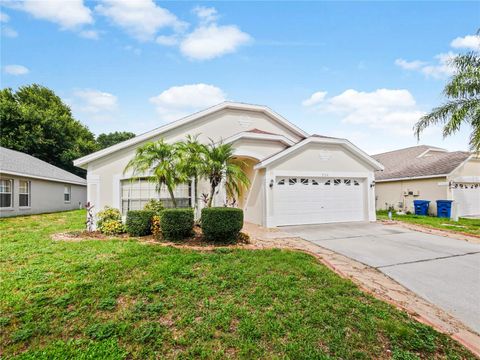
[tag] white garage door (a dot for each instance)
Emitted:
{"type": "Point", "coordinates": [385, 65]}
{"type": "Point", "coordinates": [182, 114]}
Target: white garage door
{"type": "Point", "coordinates": [467, 197]}
{"type": "Point", "coordinates": [305, 200]}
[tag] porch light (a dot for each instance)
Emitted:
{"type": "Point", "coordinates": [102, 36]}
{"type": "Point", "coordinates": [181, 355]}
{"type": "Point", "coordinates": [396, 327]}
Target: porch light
{"type": "Point", "coordinates": [271, 183]}
{"type": "Point", "coordinates": [372, 184]}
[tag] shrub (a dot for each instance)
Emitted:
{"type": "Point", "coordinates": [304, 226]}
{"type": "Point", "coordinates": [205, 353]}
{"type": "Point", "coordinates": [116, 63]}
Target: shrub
{"type": "Point", "coordinates": [221, 223]}
{"type": "Point", "coordinates": [176, 224]}
{"type": "Point", "coordinates": [154, 205]}
{"type": "Point", "coordinates": [112, 227]}
{"type": "Point", "coordinates": [139, 222]}
{"type": "Point", "coordinates": [156, 226]}
{"type": "Point", "coordinates": [110, 221]}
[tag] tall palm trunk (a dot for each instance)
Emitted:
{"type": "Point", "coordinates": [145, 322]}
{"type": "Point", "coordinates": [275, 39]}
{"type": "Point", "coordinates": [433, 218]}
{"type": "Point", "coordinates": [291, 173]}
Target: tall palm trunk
{"type": "Point", "coordinates": [212, 193]}
{"type": "Point", "coordinates": [172, 197]}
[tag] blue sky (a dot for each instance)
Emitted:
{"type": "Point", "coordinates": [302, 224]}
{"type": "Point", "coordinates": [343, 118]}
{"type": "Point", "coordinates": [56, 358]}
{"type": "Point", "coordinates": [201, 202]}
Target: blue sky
{"type": "Point", "coordinates": [361, 70]}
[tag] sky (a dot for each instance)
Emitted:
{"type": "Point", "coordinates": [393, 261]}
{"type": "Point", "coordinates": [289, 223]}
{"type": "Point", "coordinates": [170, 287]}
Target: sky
{"type": "Point", "coordinates": [365, 71]}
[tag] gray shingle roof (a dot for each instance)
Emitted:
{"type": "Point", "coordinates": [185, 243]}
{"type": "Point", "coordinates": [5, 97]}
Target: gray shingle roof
{"type": "Point", "coordinates": [12, 161]}
{"type": "Point", "coordinates": [406, 163]}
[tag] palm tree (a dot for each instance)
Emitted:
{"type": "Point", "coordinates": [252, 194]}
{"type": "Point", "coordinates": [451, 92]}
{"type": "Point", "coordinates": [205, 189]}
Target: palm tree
{"type": "Point", "coordinates": [463, 101]}
{"type": "Point", "coordinates": [192, 158]}
{"type": "Point", "coordinates": [160, 160]}
{"type": "Point", "coordinates": [220, 164]}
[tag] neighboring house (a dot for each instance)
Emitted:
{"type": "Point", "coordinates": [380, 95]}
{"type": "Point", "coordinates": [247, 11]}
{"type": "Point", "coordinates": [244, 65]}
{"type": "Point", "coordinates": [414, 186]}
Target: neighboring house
{"type": "Point", "coordinates": [295, 178]}
{"type": "Point", "coordinates": [31, 186]}
{"type": "Point", "coordinates": [428, 173]}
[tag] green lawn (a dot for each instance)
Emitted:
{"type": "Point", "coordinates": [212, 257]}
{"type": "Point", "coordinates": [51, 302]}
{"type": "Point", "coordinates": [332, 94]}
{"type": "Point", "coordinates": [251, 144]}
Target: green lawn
{"type": "Point", "coordinates": [122, 299]}
{"type": "Point", "coordinates": [469, 226]}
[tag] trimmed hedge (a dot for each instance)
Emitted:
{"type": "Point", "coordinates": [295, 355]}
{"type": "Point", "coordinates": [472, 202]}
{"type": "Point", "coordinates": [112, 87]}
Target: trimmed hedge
{"type": "Point", "coordinates": [176, 224]}
{"type": "Point", "coordinates": [139, 222]}
{"type": "Point", "coordinates": [222, 224]}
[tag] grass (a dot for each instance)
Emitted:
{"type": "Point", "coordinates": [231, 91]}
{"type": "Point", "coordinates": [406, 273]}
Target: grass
{"type": "Point", "coordinates": [118, 299]}
{"type": "Point", "coordinates": [463, 225]}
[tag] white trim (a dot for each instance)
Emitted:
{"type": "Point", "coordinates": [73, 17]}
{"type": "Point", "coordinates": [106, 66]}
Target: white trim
{"type": "Point", "coordinates": [188, 119]}
{"type": "Point", "coordinates": [461, 164]}
{"type": "Point", "coordinates": [360, 153]}
{"type": "Point", "coordinates": [257, 136]}
{"type": "Point", "coordinates": [13, 173]}
{"type": "Point", "coordinates": [412, 178]}
{"type": "Point", "coordinates": [432, 149]}
{"type": "Point", "coordinates": [325, 174]}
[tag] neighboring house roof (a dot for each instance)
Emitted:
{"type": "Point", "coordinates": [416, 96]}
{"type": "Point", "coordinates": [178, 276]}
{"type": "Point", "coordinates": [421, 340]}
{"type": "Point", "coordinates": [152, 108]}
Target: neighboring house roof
{"type": "Point", "coordinates": [225, 105]}
{"type": "Point", "coordinates": [418, 162]}
{"type": "Point", "coordinates": [17, 163]}
{"type": "Point", "coordinates": [322, 140]}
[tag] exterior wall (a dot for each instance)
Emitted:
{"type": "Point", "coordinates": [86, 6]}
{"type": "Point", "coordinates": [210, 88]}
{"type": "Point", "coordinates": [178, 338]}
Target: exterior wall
{"type": "Point", "coordinates": [104, 174]}
{"type": "Point", "coordinates": [392, 193]}
{"type": "Point", "coordinates": [469, 168]}
{"type": "Point", "coordinates": [321, 160]}
{"type": "Point", "coordinates": [45, 196]}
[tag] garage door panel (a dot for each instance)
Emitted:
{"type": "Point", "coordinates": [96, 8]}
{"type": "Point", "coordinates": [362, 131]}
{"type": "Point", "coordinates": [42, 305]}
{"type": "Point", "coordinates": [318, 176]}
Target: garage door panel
{"type": "Point", "coordinates": [467, 197]}
{"type": "Point", "coordinates": [317, 200]}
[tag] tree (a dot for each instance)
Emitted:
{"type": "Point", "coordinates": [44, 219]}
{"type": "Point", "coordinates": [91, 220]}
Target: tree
{"type": "Point", "coordinates": [463, 101]}
{"type": "Point", "coordinates": [220, 164]}
{"type": "Point", "coordinates": [36, 121]}
{"type": "Point", "coordinates": [158, 162]}
{"type": "Point", "coordinates": [192, 158]}
{"type": "Point", "coordinates": [106, 140]}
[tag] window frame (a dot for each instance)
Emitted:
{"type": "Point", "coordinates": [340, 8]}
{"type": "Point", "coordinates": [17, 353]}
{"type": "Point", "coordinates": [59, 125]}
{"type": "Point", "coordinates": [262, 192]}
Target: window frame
{"type": "Point", "coordinates": [11, 195]}
{"type": "Point", "coordinates": [28, 193]}
{"type": "Point", "coordinates": [69, 187]}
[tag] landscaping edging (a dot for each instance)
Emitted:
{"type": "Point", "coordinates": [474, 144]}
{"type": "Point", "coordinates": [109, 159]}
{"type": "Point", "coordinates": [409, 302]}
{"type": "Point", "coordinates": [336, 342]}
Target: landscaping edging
{"type": "Point", "coordinates": [373, 282]}
{"type": "Point", "coordinates": [430, 230]}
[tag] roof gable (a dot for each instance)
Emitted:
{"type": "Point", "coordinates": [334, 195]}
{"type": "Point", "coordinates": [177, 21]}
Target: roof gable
{"type": "Point", "coordinates": [189, 119]}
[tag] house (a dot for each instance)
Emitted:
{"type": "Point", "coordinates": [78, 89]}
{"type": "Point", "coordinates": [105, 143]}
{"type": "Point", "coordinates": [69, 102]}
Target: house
{"type": "Point", "coordinates": [295, 178]}
{"type": "Point", "coordinates": [428, 173]}
{"type": "Point", "coordinates": [31, 186]}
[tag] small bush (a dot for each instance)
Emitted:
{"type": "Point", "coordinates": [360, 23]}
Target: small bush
{"type": "Point", "coordinates": [110, 221]}
{"type": "Point", "coordinates": [156, 226]}
{"type": "Point", "coordinates": [221, 223]}
{"type": "Point", "coordinates": [154, 205]}
{"type": "Point", "coordinates": [139, 222]}
{"type": "Point", "coordinates": [112, 227]}
{"type": "Point", "coordinates": [176, 224]}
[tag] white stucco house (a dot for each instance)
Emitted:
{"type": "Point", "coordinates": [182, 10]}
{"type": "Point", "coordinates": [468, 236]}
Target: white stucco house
{"type": "Point", "coordinates": [296, 178]}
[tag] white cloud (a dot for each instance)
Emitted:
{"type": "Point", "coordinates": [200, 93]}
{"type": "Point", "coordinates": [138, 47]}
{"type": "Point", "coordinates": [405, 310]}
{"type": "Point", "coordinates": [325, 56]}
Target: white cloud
{"type": "Point", "coordinates": [410, 65]}
{"type": "Point", "coordinates": [16, 70]}
{"type": "Point", "coordinates": [133, 49]}
{"type": "Point", "coordinates": [471, 42]}
{"type": "Point", "coordinates": [439, 69]}
{"type": "Point", "coordinates": [9, 32]}
{"type": "Point", "coordinates": [206, 14]}
{"type": "Point", "coordinates": [315, 99]}
{"type": "Point", "coordinates": [70, 14]}
{"type": "Point", "coordinates": [89, 34]}
{"type": "Point", "coordinates": [391, 110]}
{"type": "Point", "coordinates": [442, 68]}
{"type": "Point", "coordinates": [179, 101]}
{"type": "Point", "coordinates": [140, 18]}
{"type": "Point", "coordinates": [95, 101]}
{"type": "Point", "coordinates": [211, 41]}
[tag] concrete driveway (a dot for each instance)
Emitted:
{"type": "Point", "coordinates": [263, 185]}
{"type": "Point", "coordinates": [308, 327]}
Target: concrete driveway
{"type": "Point", "coordinates": [442, 270]}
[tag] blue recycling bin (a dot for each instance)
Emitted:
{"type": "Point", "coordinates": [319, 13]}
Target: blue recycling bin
{"type": "Point", "coordinates": [444, 208]}
{"type": "Point", "coordinates": [421, 207]}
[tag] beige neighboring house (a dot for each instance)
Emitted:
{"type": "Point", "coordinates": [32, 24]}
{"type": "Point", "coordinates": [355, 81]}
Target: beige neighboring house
{"type": "Point", "coordinates": [295, 178]}
{"type": "Point", "coordinates": [31, 186]}
{"type": "Point", "coordinates": [429, 173]}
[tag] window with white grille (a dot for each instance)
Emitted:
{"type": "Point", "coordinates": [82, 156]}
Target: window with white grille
{"type": "Point", "coordinates": [136, 193]}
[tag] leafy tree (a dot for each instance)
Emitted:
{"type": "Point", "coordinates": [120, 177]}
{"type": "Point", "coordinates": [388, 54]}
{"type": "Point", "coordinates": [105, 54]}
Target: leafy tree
{"type": "Point", "coordinates": [219, 165]}
{"type": "Point", "coordinates": [463, 101]}
{"type": "Point", "coordinates": [192, 158]}
{"type": "Point", "coordinates": [158, 162]}
{"type": "Point", "coordinates": [36, 121]}
{"type": "Point", "coordinates": [106, 140]}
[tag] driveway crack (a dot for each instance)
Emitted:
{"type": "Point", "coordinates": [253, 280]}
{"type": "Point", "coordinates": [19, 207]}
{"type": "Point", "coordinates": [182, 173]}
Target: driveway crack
{"type": "Point", "coordinates": [426, 260]}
